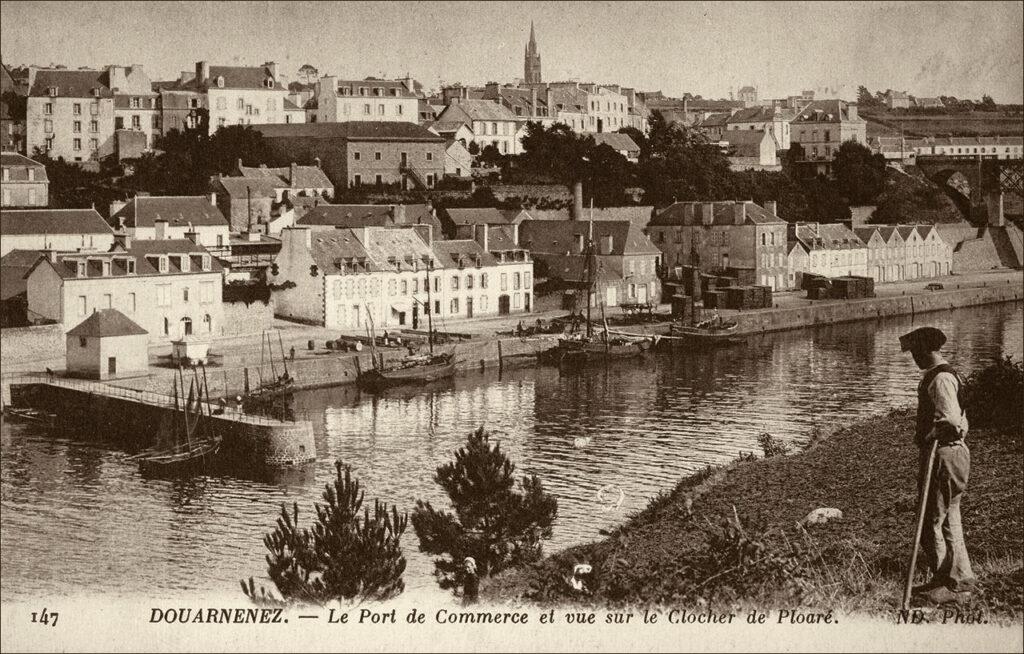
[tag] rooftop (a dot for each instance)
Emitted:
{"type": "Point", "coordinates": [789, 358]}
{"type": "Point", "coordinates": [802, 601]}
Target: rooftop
{"type": "Point", "coordinates": [107, 322]}
{"type": "Point", "coordinates": [353, 131]}
{"type": "Point", "coordinates": [303, 177]}
{"type": "Point", "coordinates": [71, 83]}
{"type": "Point", "coordinates": [52, 221]}
{"type": "Point", "coordinates": [18, 165]}
{"type": "Point", "coordinates": [723, 213]}
{"type": "Point", "coordinates": [177, 210]}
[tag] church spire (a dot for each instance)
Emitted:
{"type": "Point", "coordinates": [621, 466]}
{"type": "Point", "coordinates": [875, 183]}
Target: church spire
{"type": "Point", "coordinates": [531, 63]}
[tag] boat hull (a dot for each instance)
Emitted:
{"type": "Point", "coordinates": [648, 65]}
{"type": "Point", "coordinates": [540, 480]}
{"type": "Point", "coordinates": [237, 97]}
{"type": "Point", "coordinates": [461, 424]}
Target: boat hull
{"type": "Point", "coordinates": [375, 380]}
{"type": "Point", "coordinates": [177, 464]}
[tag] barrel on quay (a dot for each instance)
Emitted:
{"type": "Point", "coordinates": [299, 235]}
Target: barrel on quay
{"type": "Point", "coordinates": [134, 417]}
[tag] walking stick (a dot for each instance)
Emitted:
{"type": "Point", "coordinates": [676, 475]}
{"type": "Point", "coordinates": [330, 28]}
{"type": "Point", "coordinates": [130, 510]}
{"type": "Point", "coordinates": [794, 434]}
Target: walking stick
{"type": "Point", "coordinates": [922, 504]}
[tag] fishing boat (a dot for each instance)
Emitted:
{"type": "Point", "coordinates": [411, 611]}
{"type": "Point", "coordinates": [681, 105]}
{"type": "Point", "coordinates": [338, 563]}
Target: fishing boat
{"type": "Point", "coordinates": [272, 396]}
{"type": "Point", "coordinates": [577, 349]}
{"type": "Point", "coordinates": [199, 448]}
{"type": "Point", "coordinates": [30, 415]}
{"type": "Point", "coordinates": [711, 332]}
{"type": "Point", "coordinates": [413, 369]}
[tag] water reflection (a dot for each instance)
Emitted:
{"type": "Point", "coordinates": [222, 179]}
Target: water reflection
{"type": "Point", "coordinates": [629, 430]}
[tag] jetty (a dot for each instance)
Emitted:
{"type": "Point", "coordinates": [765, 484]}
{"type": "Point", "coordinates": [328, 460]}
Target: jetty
{"type": "Point", "coordinates": [133, 417]}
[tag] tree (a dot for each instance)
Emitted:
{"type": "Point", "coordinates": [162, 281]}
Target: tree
{"type": "Point", "coordinates": [683, 165]}
{"type": "Point", "coordinates": [344, 555]}
{"type": "Point", "coordinates": [74, 187]}
{"type": "Point", "coordinates": [474, 148]}
{"type": "Point", "coordinates": [607, 176]}
{"type": "Point", "coordinates": [639, 138]}
{"type": "Point", "coordinates": [308, 73]}
{"type": "Point", "coordinates": [491, 156]}
{"type": "Point", "coordinates": [859, 173]}
{"type": "Point", "coordinates": [495, 523]}
{"type": "Point", "coordinates": [987, 103]}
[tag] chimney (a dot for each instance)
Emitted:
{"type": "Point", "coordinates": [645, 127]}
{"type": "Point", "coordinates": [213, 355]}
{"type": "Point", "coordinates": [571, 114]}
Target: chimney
{"type": "Point", "coordinates": [51, 255]}
{"type": "Point", "coordinates": [739, 212]}
{"type": "Point", "coordinates": [851, 111]}
{"type": "Point", "coordinates": [577, 201]}
{"type": "Point", "coordinates": [159, 229]}
{"type": "Point", "coordinates": [363, 234]}
{"type": "Point", "coordinates": [533, 100]}
{"type": "Point", "coordinates": [707, 213]}
{"type": "Point", "coordinates": [213, 199]}
{"type": "Point", "coordinates": [293, 170]}
{"type": "Point", "coordinates": [398, 213]}
{"type": "Point", "coordinates": [688, 208]}
{"type": "Point", "coordinates": [425, 232]}
{"type": "Point", "coordinates": [771, 207]}
{"type": "Point", "coordinates": [192, 235]}
{"type": "Point", "coordinates": [272, 67]}
{"type": "Point", "coordinates": [491, 90]}
{"type": "Point", "coordinates": [239, 164]}
{"type": "Point", "coordinates": [480, 234]}
{"type": "Point", "coordinates": [253, 237]}
{"type": "Point", "coordinates": [124, 240]}
{"type": "Point", "coordinates": [202, 72]}
{"type": "Point", "coordinates": [316, 161]}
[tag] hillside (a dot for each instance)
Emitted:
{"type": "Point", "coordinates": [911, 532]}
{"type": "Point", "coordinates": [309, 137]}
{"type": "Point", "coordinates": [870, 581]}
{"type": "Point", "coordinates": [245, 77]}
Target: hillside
{"type": "Point", "coordinates": [977, 123]}
{"type": "Point", "coordinates": [910, 197]}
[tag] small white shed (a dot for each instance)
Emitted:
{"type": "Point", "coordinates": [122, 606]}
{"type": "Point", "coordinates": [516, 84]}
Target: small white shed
{"type": "Point", "coordinates": [106, 345]}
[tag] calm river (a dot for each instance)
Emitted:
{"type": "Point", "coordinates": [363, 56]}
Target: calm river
{"type": "Point", "coordinates": [79, 520]}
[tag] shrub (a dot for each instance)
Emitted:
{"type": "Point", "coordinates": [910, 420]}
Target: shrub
{"type": "Point", "coordinates": [992, 395]}
{"type": "Point", "coordinates": [493, 522]}
{"type": "Point", "coordinates": [772, 446]}
{"type": "Point", "coordinates": [344, 556]}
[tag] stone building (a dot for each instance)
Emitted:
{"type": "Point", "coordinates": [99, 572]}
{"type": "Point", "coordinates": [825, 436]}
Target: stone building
{"type": "Point", "coordinates": [12, 109]}
{"type": "Point", "coordinates": [148, 217]}
{"type": "Point", "coordinates": [107, 345]}
{"type": "Point", "coordinates": [774, 120]}
{"type": "Point", "coordinates": [244, 95]}
{"type": "Point", "coordinates": [490, 123]}
{"type": "Point", "coordinates": [718, 236]}
{"type": "Point", "coordinates": [824, 125]}
{"type": "Point", "coordinates": [833, 250]}
{"type": "Point", "coordinates": [378, 100]}
{"type": "Point", "coordinates": [70, 114]}
{"type": "Point", "coordinates": [136, 110]}
{"type": "Point", "coordinates": [24, 182]}
{"type": "Point", "coordinates": [362, 153]}
{"type": "Point", "coordinates": [53, 229]}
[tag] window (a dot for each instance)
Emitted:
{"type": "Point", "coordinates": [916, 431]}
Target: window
{"type": "Point", "coordinates": [163, 264]}
{"type": "Point", "coordinates": [405, 287]}
{"type": "Point", "coordinates": [430, 156]}
{"type": "Point", "coordinates": [392, 287]}
{"type": "Point", "coordinates": [437, 285]}
{"type": "Point", "coordinates": [380, 110]}
{"type": "Point", "coordinates": [222, 121]}
{"type": "Point", "coordinates": [437, 307]}
{"type": "Point", "coordinates": [106, 269]}
{"type": "Point", "coordinates": [119, 122]}
{"type": "Point", "coordinates": [108, 299]}
{"type": "Point", "coordinates": [454, 305]}
{"type": "Point", "coordinates": [184, 294]}
{"type": "Point", "coordinates": [48, 108]}
{"type": "Point", "coordinates": [483, 280]}
{"type": "Point", "coordinates": [271, 104]}
{"type": "Point", "coordinates": [94, 126]}
{"type": "Point", "coordinates": [515, 300]}
{"type": "Point", "coordinates": [469, 281]}
{"type": "Point", "coordinates": [504, 281]}
{"type": "Point", "coordinates": [455, 282]}
{"type": "Point", "coordinates": [400, 107]}
{"type": "Point", "coordinates": [81, 341]}
{"type": "Point", "coordinates": [130, 303]}
{"type": "Point", "coordinates": [77, 144]}
{"type": "Point", "coordinates": [516, 281]}
{"type": "Point", "coordinates": [366, 109]}
{"type": "Point", "coordinates": [81, 305]}
{"type": "Point", "coordinates": [376, 156]}
{"type": "Point", "coordinates": [483, 303]}
{"type": "Point", "coordinates": [77, 109]}
{"type": "Point", "coordinates": [135, 103]}
{"type": "Point", "coordinates": [357, 180]}
{"type": "Point", "coordinates": [207, 323]}
{"type": "Point", "coordinates": [222, 103]}
{"type": "Point", "coordinates": [240, 104]}
{"type": "Point", "coordinates": [48, 126]}
{"type": "Point", "coordinates": [527, 280]}
{"type": "Point", "coordinates": [136, 122]}
{"type": "Point", "coordinates": [356, 156]}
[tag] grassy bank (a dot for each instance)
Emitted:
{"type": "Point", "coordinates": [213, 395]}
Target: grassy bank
{"type": "Point", "coordinates": [730, 535]}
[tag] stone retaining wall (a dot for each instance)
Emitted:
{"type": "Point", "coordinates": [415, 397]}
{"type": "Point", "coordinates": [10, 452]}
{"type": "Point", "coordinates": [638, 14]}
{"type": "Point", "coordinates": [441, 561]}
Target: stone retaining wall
{"type": "Point", "coordinates": [37, 343]}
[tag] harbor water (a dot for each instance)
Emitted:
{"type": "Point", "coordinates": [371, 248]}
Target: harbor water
{"type": "Point", "coordinates": [78, 519]}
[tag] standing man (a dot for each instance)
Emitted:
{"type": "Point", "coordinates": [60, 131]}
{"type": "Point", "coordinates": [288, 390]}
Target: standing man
{"type": "Point", "coordinates": [940, 417]}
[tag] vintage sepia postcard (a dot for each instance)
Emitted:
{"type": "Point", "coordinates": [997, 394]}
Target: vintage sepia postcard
{"type": "Point", "coordinates": [532, 326]}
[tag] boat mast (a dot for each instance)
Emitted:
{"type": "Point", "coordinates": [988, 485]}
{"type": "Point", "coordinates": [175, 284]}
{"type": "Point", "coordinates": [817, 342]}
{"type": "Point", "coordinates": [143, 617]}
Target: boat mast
{"type": "Point", "coordinates": [590, 268]}
{"type": "Point", "coordinates": [373, 338]}
{"type": "Point", "coordinates": [430, 312]}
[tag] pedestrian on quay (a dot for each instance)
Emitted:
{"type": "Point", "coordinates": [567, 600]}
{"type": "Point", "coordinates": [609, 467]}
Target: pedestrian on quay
{"type": "Point", "coordinates": [941, 418]}
{"type": "Point", "coordinates": [471, 581]}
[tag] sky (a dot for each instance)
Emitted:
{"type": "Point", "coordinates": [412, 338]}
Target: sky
{"type": "Point", "coordinates": [963, 49]}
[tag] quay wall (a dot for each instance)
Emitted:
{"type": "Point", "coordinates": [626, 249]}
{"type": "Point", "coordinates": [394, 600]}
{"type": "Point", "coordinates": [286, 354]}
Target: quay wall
{"type": "Point", "coordinates": [112, 414]}
{"type": "Point", "coordinates": [253, 318]}
{"type": "Point", "coordinates": [832, 311]}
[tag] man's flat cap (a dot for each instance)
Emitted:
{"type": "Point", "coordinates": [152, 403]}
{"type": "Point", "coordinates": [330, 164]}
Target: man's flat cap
{"type": "Point", "coordinates": [929, 338]}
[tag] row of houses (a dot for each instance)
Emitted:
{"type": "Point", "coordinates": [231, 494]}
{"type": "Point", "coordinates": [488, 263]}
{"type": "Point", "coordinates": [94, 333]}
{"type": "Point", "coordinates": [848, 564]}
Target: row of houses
{"type": "Point", "coordinates": [906, 150]}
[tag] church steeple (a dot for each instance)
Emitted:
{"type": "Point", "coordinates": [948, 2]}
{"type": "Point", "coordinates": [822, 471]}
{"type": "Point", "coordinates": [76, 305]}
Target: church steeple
{"type": "Point", "coordinates": [531, 62]}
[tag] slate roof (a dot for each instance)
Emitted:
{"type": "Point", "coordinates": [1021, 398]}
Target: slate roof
{"type": "Point", "coordinates": [714, 120]}
{"type": "Point", "coordinates": [760, 114]}
{"type": "Point", "coordinates": [451, 252]}
{"type": "Point", "coordinates": [746, 142]}
{"type": "Point", "coordinates": [14, 266]}
{"type": "Point", "coordinates": [482, 216]}
{"type": "Point", "coordinates": [369, 215]}
{"type": "Point", "coordinates": [107, 322]}
{"type": "Point", "coordinates": [240, 77]}
{"type": "Point", "coordinates": [388, 85]}
{"type": "Point", "coordinates": [305, 176]}
{"type": "Point", "coordinates": [559, 236]}
{"type": "Point", "coordinates": [639, 215]}
{"type": "Point", "coordinates": [828, 236]}
{"type": "Point", "coordinates": [240, 187]}
{"type": "Point", "coordinates": [330, 250]}
{"type": "Point", "coordinates": [674, 215]}
{"type": "Point", "coordinates": [470, 110]}
{"type": "Point", "coordinates": [364, 130]}
{"type": "Point", "coordinates": [144, 252]}
{"type": "Point", "coordinates": [403, 246]}
{"type": "Point", "coordinates": [18, 166]}
{"type": "Point", "coordinates": [52, 221]}
{"type": "Point", "coordinates": [825, 111]}
{"type": "Point", "coordinates": [616, 141]}
{"type": "Point", "coordinates": [71, 83]}
{"type": "Point", "coordinates": [177, 210]}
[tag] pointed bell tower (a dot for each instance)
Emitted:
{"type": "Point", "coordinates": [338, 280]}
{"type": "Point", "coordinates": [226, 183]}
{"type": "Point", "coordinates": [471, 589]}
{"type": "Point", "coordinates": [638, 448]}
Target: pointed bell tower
{"type": "Point", "coordinates": [531, 62]}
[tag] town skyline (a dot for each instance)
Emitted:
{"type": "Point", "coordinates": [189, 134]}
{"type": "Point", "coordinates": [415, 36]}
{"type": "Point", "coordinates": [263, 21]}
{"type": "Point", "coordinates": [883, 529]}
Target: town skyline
{"type": "Point", "coordinates": [779, 47]}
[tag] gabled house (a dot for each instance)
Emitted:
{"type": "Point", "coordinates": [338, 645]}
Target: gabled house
{"type": "Point", "coordinates": [24, 183]}
{"type": "Point", "coordinates": [53, 229]}
{"type": "Point", "coordinates": [834, 250]}
{"type": "Point", "coordinates": [621, 143]}
{"type": "Point", "coordinates": [751, 150]}
{"type": "Point", "coordinates": [490, 122]}
{"type": "Point", "coordinates": [148, 217]}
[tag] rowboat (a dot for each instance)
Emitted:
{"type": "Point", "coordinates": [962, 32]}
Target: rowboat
{"type": "Point", "coordinates": [723, 334]}
{"type": "Point", "coordinates": [195, 458]}
{"type": "Point", "coordinates": [30, 415]}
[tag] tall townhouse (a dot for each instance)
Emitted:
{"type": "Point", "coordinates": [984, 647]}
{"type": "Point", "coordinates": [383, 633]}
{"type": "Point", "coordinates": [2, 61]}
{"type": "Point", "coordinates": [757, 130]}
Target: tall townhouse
{"type": "Point", "coordinates": [70, 114]}
{"type": "Point", "coordinates": [823, 125]}
{"type": "Point", "coordinates": [473, 282]}
{"type": "Point", "coordinates": [721, 235]}
{"type": "Point", "coordinates": [136, 110]}
{"type": "Point", "coordinates": [172, 288]}
{"type": "Point", "coordinates": [180, 104]}
{"type": "Point", "coordinates": [12, 109]}
{"type": "Point", "coordinates": [490, 122]}
{"type": "Point", "coordinates": [373, 99]}
{"type": "Point", "coordinates": [833, 250]}
{"type": "Point", "coordinates": [774, 120]}
{"type": "Point", "coordinates": [244, 95]}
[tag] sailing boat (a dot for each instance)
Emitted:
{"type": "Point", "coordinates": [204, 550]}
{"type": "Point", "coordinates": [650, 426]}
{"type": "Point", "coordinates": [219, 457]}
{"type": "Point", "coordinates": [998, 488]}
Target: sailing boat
{"type": "Point", "coordinates": [200, 446]}
{"type": "Point", "coordinates": [413, 369]}
{"type": "Point", "coordinates": [267, 397]}
{"type": "Point", "coordinates": [582, 349]}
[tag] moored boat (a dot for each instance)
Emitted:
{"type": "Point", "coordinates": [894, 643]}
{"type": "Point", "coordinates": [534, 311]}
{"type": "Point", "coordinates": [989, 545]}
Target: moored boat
{"type": "Point", "coordinates": [200, 446]}
{"type": "Point", "coordinates": [411, 370]}
{"type": "Point", "coordinates": [713, 332]}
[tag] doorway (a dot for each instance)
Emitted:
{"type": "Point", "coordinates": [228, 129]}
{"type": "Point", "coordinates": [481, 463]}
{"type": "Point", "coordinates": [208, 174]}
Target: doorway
{"type": "Point", "coordinates": [469, 307]}
{"type": "Point", "coordinates": [526, 302]}
{"type": "Point", "coordinates": [415, 316]}
{"type": "Point", "coordinates": [112, 365]}
{"type": "Point", "coordinates": [504, 305]}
